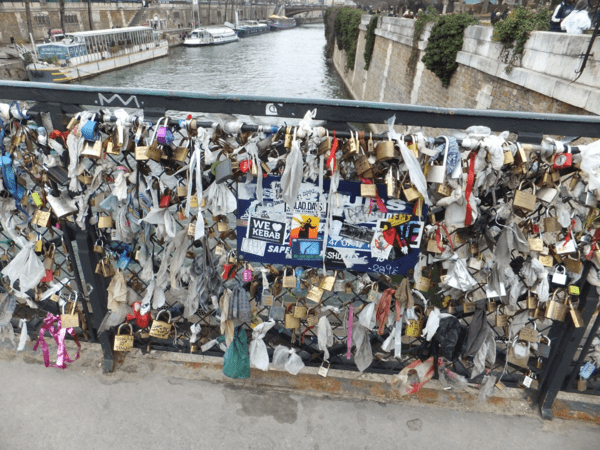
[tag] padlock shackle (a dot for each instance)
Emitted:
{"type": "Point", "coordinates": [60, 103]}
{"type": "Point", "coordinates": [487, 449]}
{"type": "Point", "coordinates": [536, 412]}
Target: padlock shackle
{"type": "Point", "coordinates": [122, 325]}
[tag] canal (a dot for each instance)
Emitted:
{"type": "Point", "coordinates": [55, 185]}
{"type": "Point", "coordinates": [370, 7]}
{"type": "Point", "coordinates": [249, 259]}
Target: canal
{"type": "Point", "coordinates": [288, 63]}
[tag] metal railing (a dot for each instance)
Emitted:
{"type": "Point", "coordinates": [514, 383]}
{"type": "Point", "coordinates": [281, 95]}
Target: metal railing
{"type": "Point", "coordinates": [61, 102]}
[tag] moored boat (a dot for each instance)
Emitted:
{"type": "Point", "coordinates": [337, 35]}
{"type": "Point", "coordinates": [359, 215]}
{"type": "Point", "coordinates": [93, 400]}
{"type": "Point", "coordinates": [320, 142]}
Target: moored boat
{"type": "Point", "coordinates": [245, 28]}
{"type": "Point", "coordinates": [210, 36]}
{"type": "Point", "coordinates": [88, 53]}
{"type": "Point", "coordinates": [280, 23]}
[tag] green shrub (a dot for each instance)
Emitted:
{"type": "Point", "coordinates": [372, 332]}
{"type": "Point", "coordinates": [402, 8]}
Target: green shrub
{"type": "Point", "coordinates": [444, 43]}
{"type": "Point", "coordinates": [513, 33]}
{"type": "Point", "coordinates": [341, 26]}
{"type": "Point", "coordinates": [370, 41]}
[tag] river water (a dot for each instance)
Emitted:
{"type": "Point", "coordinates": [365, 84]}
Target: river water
{"type": "Point", "coordinates": [289, 63]}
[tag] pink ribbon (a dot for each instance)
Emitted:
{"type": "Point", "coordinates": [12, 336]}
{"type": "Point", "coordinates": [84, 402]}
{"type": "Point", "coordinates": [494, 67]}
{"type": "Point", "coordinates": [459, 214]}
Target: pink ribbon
{"type": "Point", "coordinates": [350, 321]}
{"type": "Point", "coordinates": [62, 358]}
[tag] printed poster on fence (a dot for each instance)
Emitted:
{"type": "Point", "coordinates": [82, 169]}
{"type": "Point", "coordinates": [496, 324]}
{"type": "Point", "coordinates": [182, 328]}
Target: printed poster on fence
{"type": "Point", "coordinates": [361, 237]}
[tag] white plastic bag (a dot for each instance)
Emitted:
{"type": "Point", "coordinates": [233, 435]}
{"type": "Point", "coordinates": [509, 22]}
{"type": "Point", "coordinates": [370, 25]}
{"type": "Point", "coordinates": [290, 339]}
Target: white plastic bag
{"type": "Point", "coordinates": [259, 357]}
{"type": "Point", "coordinates": [294, 364]}
{"type": "Point", "coordinates": [292, 175]}
{"type": "Point", "coordinates": [324, 336]}
{"type": "Point", "coordinates": [26, 268]}
{"type": "Point", "coordinates": [280, 357]}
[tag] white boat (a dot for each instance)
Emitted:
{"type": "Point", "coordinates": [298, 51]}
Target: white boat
{"type": "Point", "coordinates": [210, 36]}
{"type": "Point", "coordinates": [89, 53]}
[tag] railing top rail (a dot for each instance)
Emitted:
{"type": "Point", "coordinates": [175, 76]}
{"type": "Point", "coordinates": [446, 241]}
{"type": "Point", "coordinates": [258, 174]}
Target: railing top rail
{"type": "Point", "coordinates": [337, 110]}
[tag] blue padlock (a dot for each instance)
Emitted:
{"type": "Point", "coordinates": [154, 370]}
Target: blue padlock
{"type": "Point", "coordinates": [124, 260]}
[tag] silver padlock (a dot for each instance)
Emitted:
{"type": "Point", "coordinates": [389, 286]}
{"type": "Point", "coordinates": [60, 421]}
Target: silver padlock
{"type": "Point", "coordinates": [223, 171]}
{"type": "Point", "coordinates": [324, 369]}
{"type": "Point", "coordinates": [560, 275]}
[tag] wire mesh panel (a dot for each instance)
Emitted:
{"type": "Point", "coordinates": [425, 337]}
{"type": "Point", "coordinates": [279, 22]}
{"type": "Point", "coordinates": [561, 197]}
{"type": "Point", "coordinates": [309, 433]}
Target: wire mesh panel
{"type": "Point", "coordinates": [157, 201]}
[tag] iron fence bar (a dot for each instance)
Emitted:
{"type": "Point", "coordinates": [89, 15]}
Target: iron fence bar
{"type": "Point", "coordinates": [586, 346]}
{"type": "Point", "coordinates": [563, 351]}
{"type": "Point", "coordinates": [159, 101]}
{"type": "Point", "coordinates": [69, 237]}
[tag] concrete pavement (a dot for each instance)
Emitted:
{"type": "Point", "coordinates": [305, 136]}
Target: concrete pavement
{"type": "Point", "coordinates": [167, 401]}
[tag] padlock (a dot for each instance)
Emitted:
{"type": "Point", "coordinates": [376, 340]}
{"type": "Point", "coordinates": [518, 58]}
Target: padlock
{"type": "Point", "coordinates": [222, 226]}
{"type": "Point", "coordinates": [491, 306]}
{"type": "Point", "coordinates": [70, 320]}
{"type": "Point", "coordinates": [475, 263]}
{"type": "Point", "coordinates": [468, 306]}
{"type": "Point", "coordinates": [543, 347]}
{"type": "Point", "coordinates": [557, 310]}
{"type": "Point", "coordinates": [289, 281]}
{"type": "Point", "coordinates": [368, 190]}
{"type": "Point", "coordinates": [300, 311]}
{"type": "Point", "coordinates": [247, 274]}
{"type": "Point", "coordinates": [573, 265]}
{"type": "Point", "coordinates": [443, 189]}
{"type": "Point", "coordinates": [287, 142]}
{"type": "Point", "coordinates": [519, 354]}
{"type": "Point", "coordinates": [551, 224]}
{"type": "Point", "coordinates": [508, 157]}
{"type": "Point", "coordinates": [385, 150]}
{"type": "Point", "coordinates": [92, 149]}
{"type": "Point", "coordinates": [315, 294]}
{"type": "Point", "coordinates": [546, 260]}
{"type": "Point", "coordinates": [161, 329]}
{"type": "Point", "coordinates": [325, 146]}
{"type": "Point", "coordinates": [560, 275]}
{"type": "Point", "coordinates": [124, 260]}
{"type": "Point", "coordinates": [411, 193]}
{"type": "Point", "coordinates": [423, 284]}
{"type": "Point", "coordinates": [529, 334]}
{"type": "Point", "coordinates": [524, 200]}
{"type": "Point", "coordinates": [391, 182]}
{"type": "Point", "coordinates": [164, 135]}
{"type": "Point", "coordinates": [266, 298]}
{"type": "Point", "coordinates": [105, 268]}
{"type": "Point", "coordinates": [501, 318]}
{"type": "Point", "coordinates": [327, 282]}
{"type": "Point", "coordinates": [535, 244]}
{"type": "Point", "coordinates": [566, 245]}
{"type": "Point", "coordinates": [520, 155]}
{"type": "Point", "coordinates": [581, 384]}
{"type": "Point", "coordinates": [576, 316]}
{"type": "Point", "coordinates": [324, 369]}
{"type": "Point", "coordinates": [290, 321]}
{"type": "Point", "coordinates": [573, 290]}
{"type": "Point", "coordinates": [105, 221]}
{"type": "Point", "coordinates": [432, 246]}
{"type": "Point", "coordinates": [228, 271]}
{"type": "Point", "coordinates": [223, 171]}
{"type": "Point", "coordinates": [532, 301]}
{"type": "Point", "coordinates": [312, 317]}
{"type": "Point", "coordinates": [563, 160]}
{"type": "Point", "coordinates": [123, 343]}
{"type": "Point", "coordinates": [165, 200]}
{"type": "Point", "coordinates": [41, 218]}
{"type": "Point", "coordinates": [373, 293]}
{"type": "Point", "coordinates": [363, 167]}
{"type": "Point", "coordinates": [414, 328]}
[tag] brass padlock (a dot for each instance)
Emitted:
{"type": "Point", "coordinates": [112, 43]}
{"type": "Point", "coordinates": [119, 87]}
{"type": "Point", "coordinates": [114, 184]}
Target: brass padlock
{"type": "Point", "coordinates": [432, 246]}
{"type": "Point", "coordinates": [557, 310]}
{"type": "Point", "coordinates": [529, 334]}
{"type": "Point", "coordinates": [315, 294]}
{"type": "Point", "coordinates": [385, 150]}
{"type": "Point", "coordinates": [444, 190]}
{"type": "Point", "coordinates": [92, 149]}
{"type": "Point", "coordinates": [141, 153]}
{"type": "Point", "coordinates": [161, 329]}
{"type": "Point", "coordinates": [288, 138]}
{"type": "Point", "coordinates": [546, 260]}
{"type": "Point", "coordinates": [508, 157]}
{"type": "Point", "coordinates": [41, 218]}
{"type": "Point", "coordinates": [468, 306]}
{"type": "Point", "coordinates": [551, 224]}
{"type": "Point", "coordinates": [501, 318]}
{"type": "Point", "coordinates": [105, 221]}
{"type": "Point", "coordinates": [414, 328]}
{"type": "Point", "coordinates": [520, 156]}
{"type": "Point", "coordinates": [123, 343]}
{"type": "Point", "coordinates": [411, 193]}
{"type": "Point", "coordinates": [266, 298]}
{"type": "Point", "coordinates": [524, 200]}
{"type": "Point", "coordinates": [576, 315]}
{"type": "Point", "coordinates": [290, 320]}
{"type": "Point", "coordinates": [327, 282]}
{"type": "Point", "coordinates": [535, 244]}
{"type": "Point", "coordinates": [373, 293]}
{"type": "Point", "coordinates": [312, 318]}
{"type": "Point", "coordinates": [368, 190]}
{"type": "Point", "coordinates": [573, 265]}
{"type": "Point", "coordinates": [300, 311]}
{"type": "Point", "coordinates": [532, 301]}
{"type": "Point", "coordinates": [324, 146]}
{"type": "Point", "coordinates": [363, 167]}
{"type": "Point", "coordinates": [289, 281]}
{"type": "Point", "coordinates": [70, 320]}
{"type": "Point", "coordinates": [392, 183]}
{"type": "Point", "coordinates": [423, 284]}
{"type": "Point", "coordinates": [492, 306]}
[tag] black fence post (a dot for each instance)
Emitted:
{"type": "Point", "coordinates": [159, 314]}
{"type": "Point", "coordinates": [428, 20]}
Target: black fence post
{"type": "Point", "coordinates": [564, 347]}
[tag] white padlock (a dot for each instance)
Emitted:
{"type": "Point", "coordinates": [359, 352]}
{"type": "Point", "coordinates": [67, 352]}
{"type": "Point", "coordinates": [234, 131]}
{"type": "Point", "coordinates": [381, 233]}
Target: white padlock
{"type": "Point", "coordinates": [324, 369]}
{"type": "Point", "coordinates": [560, 275]}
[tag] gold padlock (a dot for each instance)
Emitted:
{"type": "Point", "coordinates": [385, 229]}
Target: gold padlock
{"type": "Point", "coordinates": [535, 244]}
{"type": "Point", "coordinates": [385, 150]}
{"type": "Point", "coordinates": [141, 153]}
{"type": "Point", "coordinates": [312, 318]}
{"type": "Point", "coordinates": [328, 282]}
{"type": "Point", "coordinates": [123, 343]}
{"type": "Point", "coordinates": [414, 328]}
{"type": "Point", "coordinates": [501, 318]}
{"type": "Point", "coordinates": [363, 167]}
{"type": "Point", "coordinates": [290, 320]}
{"type": "Point", "coordinates": [300, 311]}
{"type": "Point", "coordinates": [520, 156]}
{"type": "Point", "coordinates": [315, 294]}
{"type": "Point", "coordinates": [444, 190]}
{"type": "Point", "coordinates": [70, 320]}
{"type": "Point", "coordinates": [324, 146]}
{"type": "Point", "coordinates": [92, 149]}
{"type": "Point", "coordinates": [576, 316]}
{"type": "Point", "coordinates": [368, 190]}
{"type": "Point", "coordinates": [161, 329]}
{"type": "Point", "coordinates": [105, 221]}
{"type": "Point", "coordinates": [289, 281]}
{"type": "Point", "coordinates": [557, 310]}
{"type": "Point", "coordinates": [288, 138]}
{"type": "Point", "coordinates": [546, 260]}
{"type": "Point", "coordinates": [41, 218]}
{"type": "Point", "coordinates": [532, 301]}
{"type": "Point", "coordinates": [524, 200]}
{"type": "Point", "coordinates": [411, 193]}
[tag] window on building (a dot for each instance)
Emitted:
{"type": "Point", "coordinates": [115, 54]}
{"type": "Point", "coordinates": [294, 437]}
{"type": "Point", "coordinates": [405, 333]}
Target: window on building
{"type": "Point", "coordinates": [176, 15]}
{"type": "Point", "coordinates": [71, 18]}
{"type": "Point", "coordinates": [42, 20]}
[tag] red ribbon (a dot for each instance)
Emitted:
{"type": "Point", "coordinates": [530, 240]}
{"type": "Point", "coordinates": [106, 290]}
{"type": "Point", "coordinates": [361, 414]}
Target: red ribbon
{"type": "Point", "coordinates": [383, 310]}
{"type": "Point", "coordinates": [331, 160]}
{"type": "Point", "coordinates": [58, 333]}
{"type": "Point", "coordinates": [590, 255]}
{"type": "Point", "coordinates": [380, 203]}
{"type": "Point", "coordinates": [470, 181]}
{"type": "Point", "coordinates": [568, 236]}
{"type": "Point", "coordinates": [438, 237]}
